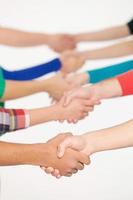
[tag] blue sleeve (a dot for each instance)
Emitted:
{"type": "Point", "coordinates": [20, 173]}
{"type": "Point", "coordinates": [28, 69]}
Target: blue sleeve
{"type": "Point", "coordinates": [33, 72]}
{"type": "Point", "coordinates": [101, 74]}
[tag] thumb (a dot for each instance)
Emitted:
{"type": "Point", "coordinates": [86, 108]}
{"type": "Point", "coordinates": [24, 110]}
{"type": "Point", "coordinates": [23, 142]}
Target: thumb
{"type": "Point", "coordinates": [68, 99]}
{"type": "Point", "coordinates": [62, 101]}
{"type": "Point", "coordinates": [62, 147]}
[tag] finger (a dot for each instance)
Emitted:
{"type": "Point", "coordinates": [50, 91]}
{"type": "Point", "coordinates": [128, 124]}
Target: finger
{"type": "Point", "coordinates": [49, 170]}
{"type": "Point", "coordinates": [61, 121]}
{"type": "Point", "coordinates": [84, 159]}
{"type": "Point", "coordinates": [62, 101]}
{"type": "Point", "coordinates": [80, 166]}
{"type": "Point", "coordinates": [63, 146]}
{"type": "Point", "coordinates": [75, 121]}
{"type": "Point", "coordinates": [68, 100]}
{"type": "Point", "coordinates": [69, 174]}
{"type": "Point", "coordinates": [74, 171]}
{"type": "Point", "coordinates": [59, 176]}
{"type": "Point", "coordinates": [56, 173]}
{"type": "Point", "coordinates": [69, 120]}
{"type": "Point", "coordinates": [87, 102]}
{"type": "Point", "coordinates": [88, 109]}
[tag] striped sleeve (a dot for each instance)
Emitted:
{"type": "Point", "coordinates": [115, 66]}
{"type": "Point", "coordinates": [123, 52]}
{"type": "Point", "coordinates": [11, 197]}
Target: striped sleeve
{"type": "Point", "coordinates": [13, 119]}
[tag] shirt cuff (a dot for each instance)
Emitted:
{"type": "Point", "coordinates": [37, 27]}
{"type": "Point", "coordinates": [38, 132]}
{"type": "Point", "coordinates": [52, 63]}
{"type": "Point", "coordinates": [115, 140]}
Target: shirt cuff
{"type": "Point", "coordinates": [13, 119]}
{"type": "Point", "coordinates": [126, 82]}
{"type": "Point", "coordinates": [2, 83]}
{"type": "Point", "coordinates": [130, 26]}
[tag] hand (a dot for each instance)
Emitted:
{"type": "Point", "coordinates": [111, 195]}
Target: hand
{"type": "Point", "coordinates": [71, 61]}
{"type": "Point", "coordinates": [57, 86]}
{"type": "Point", "coordinates": [87, 93]}
{"type": "Point", "coordinates": [62, 42]}
{"type": "Point", "coordinates": [77, 80]}
{"type": "Point", "coordinates": [77, 143]}
{"type": "Point", "coordinates": [71, 162]}
{"type": "Point", "coordinates": [76, 110]}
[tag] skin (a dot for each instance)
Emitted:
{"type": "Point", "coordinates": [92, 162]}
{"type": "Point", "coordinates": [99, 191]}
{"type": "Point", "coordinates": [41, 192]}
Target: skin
{"type": "Point", "coordinates": [102, 90]}
{"type": "Point", "coordinates": [76, 110]}
{"type": "Point", "coordinates": [71, 61]}
{"type": "Point", "coordinates": [77, 80]}
{"type": "Point", "coordinates": [18, 38]}
{"type": "Point", "coordinates": [116, 50]}
{"type": "Point", "coordinates": [113, 51]}
{"type": "Point", "coordinates": [24, 88]}
{"type": "Point", "coordinates": [110, 33]}
{"type": "Point", "coordinates": [120, 136]}
{"type": "Point", "coordinates": [42, 154]}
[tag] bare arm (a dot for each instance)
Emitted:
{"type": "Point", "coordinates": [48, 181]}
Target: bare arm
{"type": "Point", "coordinates": [13, 37]}
{"type": "Point", "coordinates": [42, 155]}
{"type": "Point", "coordinates": [17, 89]}
{"type": "Point", "coordinates": [105, 34]}
{"type": "Point", "coordinates": [18, 38]}
{"type": "Point", "coordinates": [120, 136]}
{"type": "Point", "coordinates": [116, 50]}
{"type": "Point", "coordinates": [55, 86]}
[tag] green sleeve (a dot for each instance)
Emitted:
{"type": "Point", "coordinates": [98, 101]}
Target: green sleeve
{"type": "Point", "coordinates": [2, 86]}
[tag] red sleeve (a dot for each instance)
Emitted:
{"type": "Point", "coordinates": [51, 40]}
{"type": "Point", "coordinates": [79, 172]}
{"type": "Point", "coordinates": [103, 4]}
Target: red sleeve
{"type": "Point", "coordinates": [126, 82]}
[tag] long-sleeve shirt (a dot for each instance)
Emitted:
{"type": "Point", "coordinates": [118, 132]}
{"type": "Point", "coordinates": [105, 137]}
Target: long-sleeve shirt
{"type": "Point", "coordinates": [111, 71]}
{"type": "Point", "coordinates": [2, 86]}
{"type": "Point", "coordinates": [32, 72]}
{"type": "Point", "coordinates": [130, 26]}
{"type": "Point", "coordinates": [126, 82]}
{"type": "Point", "coordinates": [13, 119]}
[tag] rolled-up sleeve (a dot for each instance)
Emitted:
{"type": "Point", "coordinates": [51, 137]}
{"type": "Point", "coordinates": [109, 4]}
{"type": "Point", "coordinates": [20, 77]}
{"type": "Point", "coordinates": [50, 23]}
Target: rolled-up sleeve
{"type": "Point", "coordinates": [13, 119]}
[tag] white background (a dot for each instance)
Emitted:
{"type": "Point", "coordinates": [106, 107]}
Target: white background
{"type": "Point", "coordinates": [110, 175]}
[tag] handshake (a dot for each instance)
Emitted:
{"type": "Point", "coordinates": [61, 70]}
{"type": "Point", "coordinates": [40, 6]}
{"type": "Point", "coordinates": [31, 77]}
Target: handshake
{"type": "Point", "coordinates": [76, 104]}
{"type": "Point", "coordinates": [60, 157]}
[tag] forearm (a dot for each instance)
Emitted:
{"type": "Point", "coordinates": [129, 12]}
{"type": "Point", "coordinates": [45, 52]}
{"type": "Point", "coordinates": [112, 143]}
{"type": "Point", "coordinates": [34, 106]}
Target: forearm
{"type": "Point", "coordinates": [14, 37]}
{"type": "Point", "coordinates": [16, 89]}
{"type": "Point", "coordinates": [106, 89]}
{"type": "Point", "coordinates": [21, 154]}
{"type": "Point", "coordinates": [116, 137]}
{"type": "Point", "coordinates": [117, 50]}
{"type": "Point", "coordinates": [42, 115]}
{"type": "Point", "coordinates": [105, 34]}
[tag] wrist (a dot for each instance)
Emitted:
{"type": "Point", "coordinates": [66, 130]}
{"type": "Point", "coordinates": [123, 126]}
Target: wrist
{"type": "Point", "coordinates": [46, 39]}
{"type": "Point", "coordinates": [84, 55]}
{"type": "Point", "coordinates": [45, 85]}
{"type": "Point", "coordinates": [55, 112]}
{"type": "Point", "coordinates": [78, 37]}
{"type": "Point", "coordinates": [91, 143]}
{"type": "Point", "coordinates": [59, 112]}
